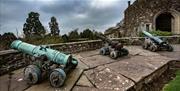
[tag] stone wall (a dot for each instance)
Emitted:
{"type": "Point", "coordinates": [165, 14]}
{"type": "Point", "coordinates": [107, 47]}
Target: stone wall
{"type": "Point", "coordinates": [75, 47]}
{"type": "Point", "coordinates": [146, 11]}
{"type": "Point", "coordinates": [13, 59]}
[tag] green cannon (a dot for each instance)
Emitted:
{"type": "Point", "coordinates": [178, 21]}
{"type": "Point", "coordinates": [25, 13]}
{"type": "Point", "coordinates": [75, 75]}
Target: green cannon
{"type": "Point", "coordinates": [154, 43]}
{"type": "Point", "coordinates": [46, 63]}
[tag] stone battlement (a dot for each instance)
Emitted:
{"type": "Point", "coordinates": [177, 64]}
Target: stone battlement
{"type": "Point", "coordinates": [14, 59]}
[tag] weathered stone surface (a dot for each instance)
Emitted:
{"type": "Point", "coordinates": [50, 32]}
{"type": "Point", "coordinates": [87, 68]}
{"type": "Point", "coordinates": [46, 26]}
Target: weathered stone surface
{"type": "Point", "coordinates": [105, 78]}
{"type": "Point", "coordinates": [137, 50]}
{"type": "Point", "coordinates": [81, 65]}
{"type": "Point", "coordinates": [17, 83]}
{"type": "Point", "coordinates": [83, 81]}
{"type": "Point", "coordinates": [93, 58]}
{"type": "Point", "coordinates": [5, 52]}
{"type": "Point", "coordinates": [97, 60]}
{"type": "Point", "coordinates": [12, 60]}
{"type": "Point", "coordinates": [175, 54]}
{"type": "Point", "coordinates": [75, 47]}
{"type": "Point", "coordinates": [88, 53]}
{"type": "Point", "coordinates": [138, 67]}
{"type": "Point", "coordinates": [80, 88]}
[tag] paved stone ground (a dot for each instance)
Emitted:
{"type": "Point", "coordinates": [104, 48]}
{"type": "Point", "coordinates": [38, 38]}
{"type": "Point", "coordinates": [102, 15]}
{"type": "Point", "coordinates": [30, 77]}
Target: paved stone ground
{"type": "Point", "coordinates": [175, 54]}
{"type": "Point", "coordinates": [105, 73]}
{"type": "Point", "coordinates": [17, 83]}
{"type": "Point", "coordinates": [101, 73]}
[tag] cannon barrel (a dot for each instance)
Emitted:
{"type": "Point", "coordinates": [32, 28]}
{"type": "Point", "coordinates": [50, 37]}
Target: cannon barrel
{"type": "Point", "coordinates": [52, 55]}
{"type": "Point", "coordinates": [155, 39]}
{"type": "Point", "coordinates": [104, 38]}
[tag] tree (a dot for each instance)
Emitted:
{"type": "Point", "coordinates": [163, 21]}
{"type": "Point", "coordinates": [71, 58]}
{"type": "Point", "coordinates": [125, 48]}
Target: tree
{"type": "Point", "coordinates": [87, 33]}
{"type": "Point", "coordinates": [65, 38]}
{"type": "Point", "coordinates": [6, 39]}
{"type": "Point", "coordinates": [74, 34]}
{"type": "Point", "coordinates": [33, 26]}
{"type": "Point", "coordinates": [94, 34]}
{"type": "Point", "coordinates": [53, 25]}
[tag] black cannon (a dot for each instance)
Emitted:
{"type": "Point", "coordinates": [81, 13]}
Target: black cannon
{"type": "Point", "coordinates": [112, 48]}
{"type": "Point", "coordinates": [153, 43]}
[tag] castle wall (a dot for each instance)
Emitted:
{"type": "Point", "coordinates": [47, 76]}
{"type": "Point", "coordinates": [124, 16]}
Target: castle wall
{"type": "Point", "coordinates": [145, 12]}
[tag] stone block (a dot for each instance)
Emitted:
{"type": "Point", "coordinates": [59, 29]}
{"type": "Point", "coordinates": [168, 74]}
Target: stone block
{"type": "Point", "coordinates": [105, 78]}
{"type": "Point", "coordinates": [83, 81]}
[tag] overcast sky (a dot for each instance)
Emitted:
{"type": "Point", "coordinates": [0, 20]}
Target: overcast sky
{"type": "Point", "coordinates": [71, 14]}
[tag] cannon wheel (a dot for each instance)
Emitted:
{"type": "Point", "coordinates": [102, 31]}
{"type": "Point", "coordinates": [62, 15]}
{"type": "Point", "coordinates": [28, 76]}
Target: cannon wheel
{"type": "Point", "coordinates": [114, 54]}
{"type": "Point", "coordinates": [32, 74]}
{"type": "Point", "coordinates": [153, 48]}
{"type": "Point", "coordinates": [144, 46]}
{"type": "Point", "coordinates": [170, 48]}
{"type": "Point", "coordinates": [103, 51]}
{"type": "Point", "coordinates": [124, 52]}
{"type": "Point", "coordinates": [57, 77]}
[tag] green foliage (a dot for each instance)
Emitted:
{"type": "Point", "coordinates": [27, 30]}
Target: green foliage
{"type": "Point", "coordinates": [157, 33]}
{"type": "Point", "coordinates": [53, 25]}
{"type": "Point", "coordinates": [141, 34]}
{"type": "Point", "coordinates": [173, 85]}
{"type": "Point", "coordinates": [65, 38]}
{"type": "Point", "coordinates": [47, 39]}
{"type": "Point", "coordinates": [33, 26]}
{"type": "Point", "coordinates": [94, 34]}
{"type": "Point", "coordinates": [6, 39]}
{"type": "Point", "coordinates": [161, 33]}
{"type": "Point", "coordinates": [74, 34]}
{"type": "Point", "coordinates": [87, 33]}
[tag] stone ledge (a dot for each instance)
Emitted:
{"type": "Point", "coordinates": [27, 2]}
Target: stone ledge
{"type": "Point", "coordinates": [105, 78]}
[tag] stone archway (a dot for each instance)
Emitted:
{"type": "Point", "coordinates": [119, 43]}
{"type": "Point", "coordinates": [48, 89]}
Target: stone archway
{"type": "Point", "coordinates": [167, 21]}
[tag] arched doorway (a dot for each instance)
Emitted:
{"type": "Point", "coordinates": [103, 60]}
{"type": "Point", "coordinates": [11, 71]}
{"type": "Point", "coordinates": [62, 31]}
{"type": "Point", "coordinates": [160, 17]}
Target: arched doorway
{"type": "Point", "coordinates": [165, 22]}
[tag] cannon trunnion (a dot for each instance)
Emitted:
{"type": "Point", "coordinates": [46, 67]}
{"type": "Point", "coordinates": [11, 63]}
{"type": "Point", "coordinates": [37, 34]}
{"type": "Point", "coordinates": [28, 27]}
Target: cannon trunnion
{"type": "Point", "coordinates": [153, 43]}
{"type": "Point", "coordinates": [47, 63]}
{"type": "Point", "coordinates": [112, 48]}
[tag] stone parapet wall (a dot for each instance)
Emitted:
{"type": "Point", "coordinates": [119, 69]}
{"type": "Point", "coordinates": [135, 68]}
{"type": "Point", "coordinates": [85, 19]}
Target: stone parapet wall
{"type": "Point", "coordinates": [13, 59]}
{"type": "Point", "coordinates": [74, 47]}
{"type": "Point", "coordinates": [10, 61]}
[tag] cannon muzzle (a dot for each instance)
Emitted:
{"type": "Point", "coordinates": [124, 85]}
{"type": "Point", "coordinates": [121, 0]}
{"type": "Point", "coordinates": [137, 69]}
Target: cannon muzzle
{"type": "Point", "coordinates": [155, 39]}
{"type": "Point", "coordinates": [104, 38]}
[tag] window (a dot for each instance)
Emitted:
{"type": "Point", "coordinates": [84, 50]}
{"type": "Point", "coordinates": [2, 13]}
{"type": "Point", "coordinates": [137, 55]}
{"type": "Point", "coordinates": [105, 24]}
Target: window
{"type": "Point", "coordinates": [147, 27]}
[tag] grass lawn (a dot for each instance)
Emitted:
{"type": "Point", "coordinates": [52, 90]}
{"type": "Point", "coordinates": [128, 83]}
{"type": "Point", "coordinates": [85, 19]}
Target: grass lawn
{"type": "Point", "coordinates": [173, 85]}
